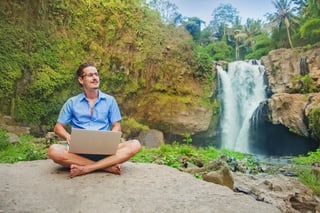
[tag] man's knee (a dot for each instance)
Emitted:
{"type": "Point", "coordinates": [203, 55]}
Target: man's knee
{"type": "Point", "coordinates": [135, 146]}
{"type": "Point", "coordinates": [55, 151]}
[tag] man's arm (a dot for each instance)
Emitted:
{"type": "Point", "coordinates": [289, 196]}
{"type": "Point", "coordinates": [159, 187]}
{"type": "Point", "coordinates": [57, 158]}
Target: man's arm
{"type": "Point", "coordinates": [60, 129]}
{"type": "Point", "coordinates": [116, 126]}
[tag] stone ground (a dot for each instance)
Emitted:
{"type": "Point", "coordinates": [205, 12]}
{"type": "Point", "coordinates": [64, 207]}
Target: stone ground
{"type": "Point", "coordinates": [42, 186]}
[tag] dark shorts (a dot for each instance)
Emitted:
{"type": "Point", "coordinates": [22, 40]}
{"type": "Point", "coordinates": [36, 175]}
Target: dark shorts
{"type": "Point", "coordinates": [94, 157]}
{"type": "Point", "coordinates": [91, 156]}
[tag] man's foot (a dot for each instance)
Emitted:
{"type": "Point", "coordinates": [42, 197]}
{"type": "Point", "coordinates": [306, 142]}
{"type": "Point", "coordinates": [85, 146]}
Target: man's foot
{"type": "Point", "coordinates": [116, 169]}
{"type": "Point", "coordinates": [76, 170]}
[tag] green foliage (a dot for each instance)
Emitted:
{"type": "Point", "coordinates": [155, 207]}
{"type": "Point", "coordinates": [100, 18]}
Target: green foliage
{"type": "Point", "coordinates": [166, 154]}
{"type": "Point", "coordinates": [193, 26]}
{"type": "Point", "coordinates": [310, 179]}
{"type": "Point", "coordinates": [306, 175]}
{"type": "Point", "coordinates": [310, 30]}
{"type": "Point", "coordinates": [311, 158]}
{"type": "Point", "coordinates": [13, 56]}
{"type": "Point", "coordinates": [202, 57]}
{"type": "Point", "coordinates": [131, 128]}
{"type": "Point", "coordinates": [220, 50]}
{"type": "Point", "coordinates": [40, 53]}
{"type": "Point", "coordinates": [43, 42]}
{"type": "Point", "coordinates": [173, 155]}
{"type": "Point", "coordinates": [224, 15]}
{"type": "Point", "coordinates": [26, 150]}
{"type": "Point", "coordinates": [4, 140]}
{"type": "Point", "coordinates": [261, 47]}
{"type": "Point", "coordinates": [187, 138]}
{"type": "Point", "coordinates": [283, 18]}
{"type": "Point", "coordinates": [167, 10]}
{"type": "Point", "coordinates": [314, 122]}
{"type": "Point", "coordinates": [304, 84]}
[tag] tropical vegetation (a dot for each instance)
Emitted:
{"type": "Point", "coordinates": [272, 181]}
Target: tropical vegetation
{"type": "Point", "coordinates": [142, 49]}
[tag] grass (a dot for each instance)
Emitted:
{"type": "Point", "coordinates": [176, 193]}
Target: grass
{"type": "Point", "coordinates": [306, 175]}
{"type": "Point", "coordinates": [310, 179]}
{"type": "Point", "coordinates": [25, 150]}
{"type": "Point", "coordinates": [175, 154]}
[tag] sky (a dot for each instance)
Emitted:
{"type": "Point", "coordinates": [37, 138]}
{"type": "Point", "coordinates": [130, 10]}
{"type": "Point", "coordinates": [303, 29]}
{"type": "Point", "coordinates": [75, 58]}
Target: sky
{"type": "Point", "coordinates": [203, 9]}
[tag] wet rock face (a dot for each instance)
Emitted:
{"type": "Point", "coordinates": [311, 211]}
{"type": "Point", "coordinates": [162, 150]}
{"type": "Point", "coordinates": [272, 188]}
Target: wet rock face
{"type": "Point", "coordinates": [287, 106]}
{"type": "Point", "coordinates": [292, 111]}
{"type": "Point", "coordinates": [288, 110]}
{"type": "Point", "coordinates": [284, 65]}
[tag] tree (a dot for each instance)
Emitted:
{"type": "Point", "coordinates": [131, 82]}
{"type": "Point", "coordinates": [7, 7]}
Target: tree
{"type": "Point", "coordinates": [310, 30]}
{"type": "Point", "coordinates": [285, 14]}
{"type": "Point", "coordinates": [300, 6]}
{"type": "Point", "coordinates": [310, 25]}
{"type": "Point", "coordinates": [168, 11]}
{"type": "Point", "coordinates": [261, 45]}
{"type": "Point", "coordinates": [252, 28]}
{"type": "Point", "coordinates": [224, 16]}
{"type": "Point", "coordinates": [193, 26]}
{"type": "Point", "coordinates": [239, 39]}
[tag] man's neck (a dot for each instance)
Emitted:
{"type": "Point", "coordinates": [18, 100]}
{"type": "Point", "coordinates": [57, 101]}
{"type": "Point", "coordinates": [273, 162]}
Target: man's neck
{"type": "Point", "coordinates": [91, 94]}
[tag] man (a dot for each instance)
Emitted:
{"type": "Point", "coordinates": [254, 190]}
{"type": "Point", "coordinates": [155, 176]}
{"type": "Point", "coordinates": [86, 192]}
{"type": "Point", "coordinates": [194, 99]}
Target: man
{"type": "Point", "coordinates": [91, 109]}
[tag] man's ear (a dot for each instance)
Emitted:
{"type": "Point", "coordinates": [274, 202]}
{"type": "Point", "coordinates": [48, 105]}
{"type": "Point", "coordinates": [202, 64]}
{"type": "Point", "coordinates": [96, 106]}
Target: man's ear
{"type": "Point", "coordinates": [80, 80]}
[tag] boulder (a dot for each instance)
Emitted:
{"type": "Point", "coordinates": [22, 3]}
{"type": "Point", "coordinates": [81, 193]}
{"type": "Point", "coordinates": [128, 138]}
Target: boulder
{"type": "Point", "coordinates": [42, 186]}
{"type": "Point", "coordinates": [18, 130]}
{"type": "Point", "coordinates": [286, 193]}
{"type": "Point", "coordinates": [292, 110]}
{"type": "Point", "coordinates": [151, 138]}
{"type": "Point", "coordinates": [288, 110]}
{"type": "Point", "coordinates": [52, 137]}
{"type": "Point", "coordinates": [220, 175]}
{"type": "Point", "coordinates": [13, 138]}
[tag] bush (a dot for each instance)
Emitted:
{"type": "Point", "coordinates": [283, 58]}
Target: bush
{"type": "Point", "coordinates": [304, 84]}
{"type": "Point", "coordinates": [24, 151]}
{"type": "Point", "coordinates": [4, 140]}
{"type": "Point", "coordinates": [314, 122]}
{"type": "Point", "coordinates": [305, 174]}
{"type": "Point", "coordinates": [308, 177]}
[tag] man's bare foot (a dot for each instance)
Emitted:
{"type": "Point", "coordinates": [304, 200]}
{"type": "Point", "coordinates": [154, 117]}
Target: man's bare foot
{"type": "Point", "coordinates": [116, 169]}
{"type": "Point", "coordinates": [76, 170]}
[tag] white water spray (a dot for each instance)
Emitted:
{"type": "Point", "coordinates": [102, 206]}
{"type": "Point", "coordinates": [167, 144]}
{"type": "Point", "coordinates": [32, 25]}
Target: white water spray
{"type": "Point", "coordinates": [242, 89]}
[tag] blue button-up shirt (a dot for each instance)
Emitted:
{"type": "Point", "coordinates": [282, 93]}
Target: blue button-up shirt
{"type": "Point", "coordinates": [77, 111]}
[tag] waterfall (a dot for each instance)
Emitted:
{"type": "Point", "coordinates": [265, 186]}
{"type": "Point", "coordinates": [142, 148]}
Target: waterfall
{"type": "Point", "coordinates": [241, 89]}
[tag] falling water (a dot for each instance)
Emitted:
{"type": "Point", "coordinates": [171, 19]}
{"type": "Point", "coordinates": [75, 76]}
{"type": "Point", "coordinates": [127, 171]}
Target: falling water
{"type": "Point", "coordinates": [242, 88]}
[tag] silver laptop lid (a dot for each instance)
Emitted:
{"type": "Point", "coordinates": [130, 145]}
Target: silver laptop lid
{"type": "Point", "coordinates": [85, 141]}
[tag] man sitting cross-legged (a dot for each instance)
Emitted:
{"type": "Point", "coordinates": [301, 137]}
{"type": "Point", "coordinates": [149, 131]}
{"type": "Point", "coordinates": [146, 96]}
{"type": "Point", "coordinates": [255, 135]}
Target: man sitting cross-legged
{"type": "Point", "coordinates": [91, 109]}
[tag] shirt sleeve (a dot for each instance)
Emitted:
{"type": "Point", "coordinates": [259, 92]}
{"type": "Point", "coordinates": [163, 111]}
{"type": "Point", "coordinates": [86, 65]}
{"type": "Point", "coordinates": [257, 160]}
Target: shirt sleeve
{"type": "Point", "coordinates": [65, 114]}
{"type": "Point", "coordinates": [114, 115]}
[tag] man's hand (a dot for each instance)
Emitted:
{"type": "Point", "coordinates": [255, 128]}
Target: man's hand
{"type": "Point", "coordinates": [68, 138]}
{"type": "Point", "coordinates": [60, 129]}
{"type": "Point", "coordinates": [116, 127]}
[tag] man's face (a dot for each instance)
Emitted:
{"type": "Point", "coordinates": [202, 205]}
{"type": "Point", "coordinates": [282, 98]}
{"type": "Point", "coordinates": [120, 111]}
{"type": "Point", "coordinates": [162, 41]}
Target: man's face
{"type": "Point", "coordinates": [90, 78]}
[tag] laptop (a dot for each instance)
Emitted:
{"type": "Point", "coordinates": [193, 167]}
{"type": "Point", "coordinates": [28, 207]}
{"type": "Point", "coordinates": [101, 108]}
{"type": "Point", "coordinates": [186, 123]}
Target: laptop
{"type": "Point", "coordinates": [100, 142]}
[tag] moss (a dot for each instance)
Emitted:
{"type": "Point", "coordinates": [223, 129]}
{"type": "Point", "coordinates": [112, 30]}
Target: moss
{"type": "Point", "coordinates": [314, 122]}
{"type": "Point", "coordinates": [304, 84]}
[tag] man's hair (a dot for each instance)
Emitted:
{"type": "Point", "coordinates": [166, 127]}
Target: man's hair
{"type": "Point", "coordinates": [83, 66]}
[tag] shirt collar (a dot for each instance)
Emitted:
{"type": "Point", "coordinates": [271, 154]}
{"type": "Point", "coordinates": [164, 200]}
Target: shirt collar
{"type": "Point", "coordinates": [101, 95]}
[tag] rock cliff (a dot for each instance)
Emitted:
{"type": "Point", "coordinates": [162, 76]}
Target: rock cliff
{"type": "Point", "coordinates": [284, 65]}
{"type": "Point", "coordinates": [287, 71]}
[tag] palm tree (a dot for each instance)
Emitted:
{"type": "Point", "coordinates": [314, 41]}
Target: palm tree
{"type": "Point", "coordinates": [284, 15]}
{"type": "Point", "coordinates": [239, 37]}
